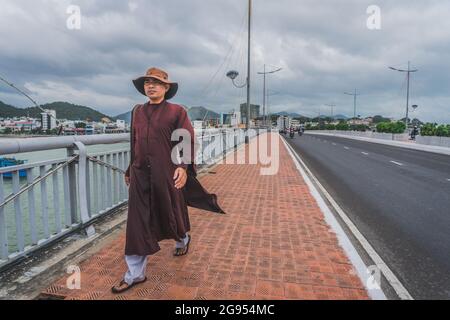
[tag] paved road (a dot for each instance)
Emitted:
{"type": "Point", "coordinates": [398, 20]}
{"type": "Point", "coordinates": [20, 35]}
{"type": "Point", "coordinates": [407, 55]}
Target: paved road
{"type": "Point", "coordinates": [398, 198]}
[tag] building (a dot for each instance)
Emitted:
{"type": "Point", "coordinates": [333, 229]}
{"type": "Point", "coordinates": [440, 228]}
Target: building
{"type": "Point", "coordinates": [254, 112]}
{"type": "Point", "coordinates": [283, 123]}
{"type": "Point", "coordinates": [120, 124]}
{"type": "Point", "coordinates": [232, 119]}
{"type": "Point", "coordinates": [48, 119]}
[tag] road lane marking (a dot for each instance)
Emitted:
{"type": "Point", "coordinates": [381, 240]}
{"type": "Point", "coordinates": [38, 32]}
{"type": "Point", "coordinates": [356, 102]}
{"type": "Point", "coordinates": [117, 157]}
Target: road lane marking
{"type": "Point", "coordinates": [334, 144]}
{"type": "Point", "coordinates": [309, 177]}
{"type": "Point", "coordinates": [346, 148]}
{"type": "Point", "coordinates": [397, 163]}
{"type": "Point", "coordinates": [365, 153]}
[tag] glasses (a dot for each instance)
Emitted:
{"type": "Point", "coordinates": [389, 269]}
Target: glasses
{"type": "Point", "coordinates": [154, 82]}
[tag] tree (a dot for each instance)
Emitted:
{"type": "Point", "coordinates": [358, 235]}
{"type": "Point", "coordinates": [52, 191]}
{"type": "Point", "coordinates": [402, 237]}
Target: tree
{"type": "Point", "coordinates": [391, 127]}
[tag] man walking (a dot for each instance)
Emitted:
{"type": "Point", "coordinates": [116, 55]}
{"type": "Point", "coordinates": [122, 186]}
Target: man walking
{"type": "Point", "coordinates": [159, 189]}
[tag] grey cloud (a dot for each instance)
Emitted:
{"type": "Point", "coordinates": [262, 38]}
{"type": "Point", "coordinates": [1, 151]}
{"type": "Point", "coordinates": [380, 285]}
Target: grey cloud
{"type": "Point", "coordinates": [324, 47]}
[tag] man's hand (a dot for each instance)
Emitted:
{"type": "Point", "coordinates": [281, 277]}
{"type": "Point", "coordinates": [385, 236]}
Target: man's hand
{"type": "Point", "coordinates": [180, 178]}
{"type": "Point", "coordinates": [127, 180]}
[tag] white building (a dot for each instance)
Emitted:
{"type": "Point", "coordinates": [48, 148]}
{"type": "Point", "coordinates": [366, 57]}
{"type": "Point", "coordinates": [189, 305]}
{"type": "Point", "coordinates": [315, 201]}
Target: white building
{"type": "Point", "coordinates": [283, 122]}
{"type": "Point", "coordinates": [48, 119]}
{"type": "Point", "coordinates": [198, 124]}
{"type": "Point", "coordinates": [120, 124]}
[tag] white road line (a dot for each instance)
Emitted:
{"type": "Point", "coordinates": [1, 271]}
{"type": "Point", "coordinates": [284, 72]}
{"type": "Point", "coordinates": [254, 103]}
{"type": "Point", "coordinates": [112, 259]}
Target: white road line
{"type": "Point", "coordinates": [397, 163]}
{"type": "Point", "coordinates": [401, 291]}
{"type": "Point", "coordinates": [346, 148]}
{"type": "Point", "coordinates": [334, 144]}
{"type": "Point", "coordinates": [365, 153]}
{"type": "Point", "coordinates": [448, 179]}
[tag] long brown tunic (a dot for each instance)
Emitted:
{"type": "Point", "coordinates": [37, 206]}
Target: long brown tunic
{"type": "Point", "coordinates": [156, 209]}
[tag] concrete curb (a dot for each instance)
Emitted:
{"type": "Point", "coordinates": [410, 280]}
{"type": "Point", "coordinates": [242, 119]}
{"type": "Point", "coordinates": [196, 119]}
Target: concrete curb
{"type": "Point", "coordinates": [406, 145]}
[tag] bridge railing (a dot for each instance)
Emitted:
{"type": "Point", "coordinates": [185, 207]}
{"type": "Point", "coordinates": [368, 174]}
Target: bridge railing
{"type": "Point", "coordinates": [60, 196]}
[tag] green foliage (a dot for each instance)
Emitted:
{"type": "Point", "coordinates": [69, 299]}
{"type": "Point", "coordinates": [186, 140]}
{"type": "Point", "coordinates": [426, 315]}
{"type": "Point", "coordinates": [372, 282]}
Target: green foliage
{"type": "Point", "coordinates": [379, 119]}
{"type": "Point", "coordinates": [343, 126]}
{"type": "Point", "coordinates": [433, 129]}
{"type": "Point", "coordinates": [391, 127]}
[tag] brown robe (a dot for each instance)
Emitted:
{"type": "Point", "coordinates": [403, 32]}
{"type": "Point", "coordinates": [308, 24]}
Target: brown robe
{"type": "Point", "coordinates": [156, 209]}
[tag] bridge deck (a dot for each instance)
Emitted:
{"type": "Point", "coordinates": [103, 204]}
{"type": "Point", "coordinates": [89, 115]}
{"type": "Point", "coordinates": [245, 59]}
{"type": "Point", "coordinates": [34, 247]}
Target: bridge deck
{"type": "Point", "coordinates": [273, 243]}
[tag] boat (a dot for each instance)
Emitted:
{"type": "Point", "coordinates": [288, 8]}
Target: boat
{"type": "Point", "coordinates": [8, 162]}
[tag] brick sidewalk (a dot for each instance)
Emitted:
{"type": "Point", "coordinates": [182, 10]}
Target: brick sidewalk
{"type": "Point", "coordinates": [273, 243]}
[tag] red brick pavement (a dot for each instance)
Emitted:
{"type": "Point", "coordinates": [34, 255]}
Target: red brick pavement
{"type": "Point", "coordinates": [273, 243]}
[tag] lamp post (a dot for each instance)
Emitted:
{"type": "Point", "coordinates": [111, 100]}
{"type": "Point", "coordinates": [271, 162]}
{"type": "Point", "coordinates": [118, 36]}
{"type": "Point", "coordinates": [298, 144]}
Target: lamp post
{"type": "Point", "coordinates": [233, 74]}
{"type": "Point", "coordinates": [408, 72]}
{"type": "Point", "coordinates": [354, 102]}
{"type": "Point", "coordinates": [332, 107]}
{"type": "Point", "coordinates": [264, 90]}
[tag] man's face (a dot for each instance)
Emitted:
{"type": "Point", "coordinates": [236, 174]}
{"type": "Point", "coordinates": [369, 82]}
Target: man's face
{"type": "Point", "coordinates": [155, 89]}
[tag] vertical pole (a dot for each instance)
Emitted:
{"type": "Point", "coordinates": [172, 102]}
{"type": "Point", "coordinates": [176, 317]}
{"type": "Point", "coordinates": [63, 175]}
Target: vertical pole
{"type": "Point", "coordinates": [72, 186]}
{"type": "Point", "coordinates": [264, 96]}
{"type": "Point", "coordinates": [354, 106]}
{"type": "Point", "coordinates": [407, 97]}
{"type": "Point", "coordinates": [248, 69]}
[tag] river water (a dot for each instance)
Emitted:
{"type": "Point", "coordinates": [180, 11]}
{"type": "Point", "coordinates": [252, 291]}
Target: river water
{"type": "Point", "coordinates": [37, 156]}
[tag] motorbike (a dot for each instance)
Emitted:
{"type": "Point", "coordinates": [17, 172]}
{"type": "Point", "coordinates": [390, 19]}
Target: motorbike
{"type": "Point", "coordinates": [291, 134]}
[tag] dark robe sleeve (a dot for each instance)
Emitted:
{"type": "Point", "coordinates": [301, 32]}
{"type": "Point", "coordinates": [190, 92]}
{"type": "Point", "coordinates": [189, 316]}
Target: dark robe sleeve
{"type": "Point", "coordinates": [184, 122]}
{"type": "Point", "coordinates": [196, 196]}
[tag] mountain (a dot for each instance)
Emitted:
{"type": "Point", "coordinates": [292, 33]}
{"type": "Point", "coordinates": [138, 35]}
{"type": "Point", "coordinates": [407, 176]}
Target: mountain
{"type": "Point", "coordinates": [289, 114]}
{"type": "Point", "coordinates": [124, 116]}
{"type": "Point", "coordinates": [7, 110]}
{"type": "Point", "coordinates": [340, 117]}
{"type": "Point", "coordinates": [64, 110]}
{"type": "Point", "coordinates": [200, 113]}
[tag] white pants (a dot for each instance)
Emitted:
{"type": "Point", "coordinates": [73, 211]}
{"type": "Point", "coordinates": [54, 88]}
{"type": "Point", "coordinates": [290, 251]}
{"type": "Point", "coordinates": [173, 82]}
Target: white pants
{"type": "Point", "coordinates": [137, 265]}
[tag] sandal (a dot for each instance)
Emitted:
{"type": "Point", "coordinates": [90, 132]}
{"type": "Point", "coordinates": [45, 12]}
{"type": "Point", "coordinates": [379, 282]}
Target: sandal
{"type": "Point", "coordinates": [124, 286]}
{"type": "Point", "coordinates": [182, 251]}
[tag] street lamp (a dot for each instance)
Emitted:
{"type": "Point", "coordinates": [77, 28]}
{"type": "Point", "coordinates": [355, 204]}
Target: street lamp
{"type": "Point", "coordinates": [264, 90]}
{"type": "Point", "coordinates": [233, 74]}
{"type": "Point", "coordinates": [354, 102]}
{"type": "Point", "coordinates": [407, 90]}
{"type": "Point", "coordinates": [332, 107]}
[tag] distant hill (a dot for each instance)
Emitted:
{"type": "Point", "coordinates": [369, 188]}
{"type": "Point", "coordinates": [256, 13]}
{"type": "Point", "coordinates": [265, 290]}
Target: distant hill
{"type": "Point", "coordinates": [289, 114]}
{"type": "Point", "coordinates": [340, 117]}
{"type": "Point", "coordinates": [64, 110]}
{"type": "Point", "coordinates": [7, 110]}
{"type": "Point", "coordinates": [200, 113]}
{"type": "Point", "coordinates": [124, 116]}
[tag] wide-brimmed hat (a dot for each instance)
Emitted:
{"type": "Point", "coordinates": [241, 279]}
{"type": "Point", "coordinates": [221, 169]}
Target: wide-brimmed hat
{"type": "Point", "coordinates": [160, 75]}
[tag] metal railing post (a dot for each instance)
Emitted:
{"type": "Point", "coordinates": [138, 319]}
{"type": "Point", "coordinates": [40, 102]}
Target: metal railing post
{"type": "Point", "coordinates": [82, 187]}
{"type": "Point", "coordinates": [72, 187]}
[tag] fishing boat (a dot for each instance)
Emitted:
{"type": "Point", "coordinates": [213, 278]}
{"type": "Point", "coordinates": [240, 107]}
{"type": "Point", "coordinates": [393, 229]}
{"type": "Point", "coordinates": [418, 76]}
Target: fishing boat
{"type": "Point", "coordinates": [8, 162]}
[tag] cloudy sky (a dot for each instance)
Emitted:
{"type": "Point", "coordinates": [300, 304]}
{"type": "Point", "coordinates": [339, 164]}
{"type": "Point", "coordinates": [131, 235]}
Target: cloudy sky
{"type": "Point", "coordinates": [324, 47]}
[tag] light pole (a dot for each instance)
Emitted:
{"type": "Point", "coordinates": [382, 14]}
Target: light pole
{"type": "Point", "coordinates": [332, 107]}
{"type": "Point", "coordinates": [264, 90]}
{"type": "Point", "coordinates": [354, 102]}
{"type": "Point", "coordinates": [233, 74]}
{"type": "Point", "coordinates": [408, 72]}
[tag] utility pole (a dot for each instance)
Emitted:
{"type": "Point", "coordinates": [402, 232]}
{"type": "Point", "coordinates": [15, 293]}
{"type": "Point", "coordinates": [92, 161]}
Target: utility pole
{"type": "Point", "coordinates": [408, 75]}
{"type": "Point", "coordinates": [248, 69]}
{"type": "Point", "coordinates": [332, 107]}
{"type": "Point", "coordinates": [354, 102]}
{"type": "Point", "coordinates": [264, 90]}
